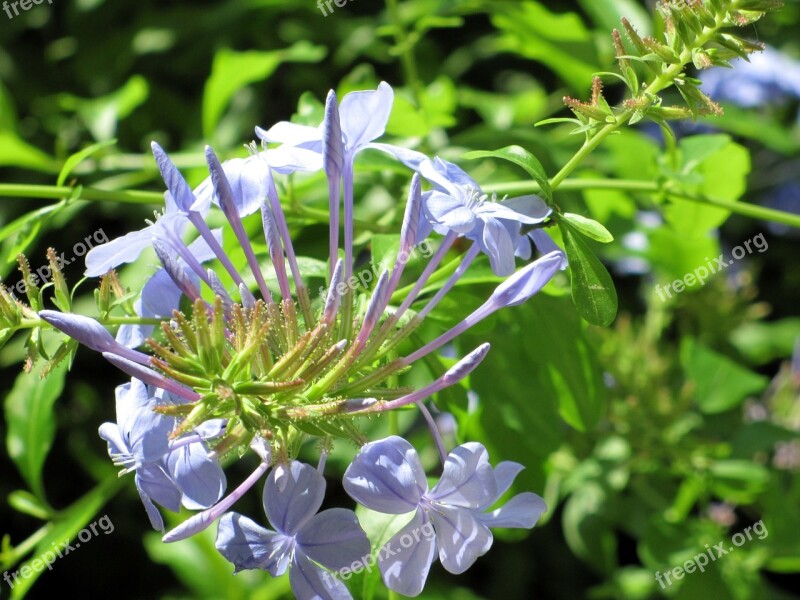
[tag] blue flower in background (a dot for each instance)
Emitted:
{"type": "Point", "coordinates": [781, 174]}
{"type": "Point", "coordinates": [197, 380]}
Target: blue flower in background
{"type": "Point", "coordinates": [768, 77]}
{"type": "Point", "coordinates": [302, 540]}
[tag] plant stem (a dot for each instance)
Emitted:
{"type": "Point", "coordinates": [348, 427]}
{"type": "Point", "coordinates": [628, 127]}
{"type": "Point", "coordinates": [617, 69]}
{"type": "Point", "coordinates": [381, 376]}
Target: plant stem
{"type": "Point", "coordinates": [56, 192]}
{"type": "Point", "coordinates": [661, 82]}
{"type": "Point", "coordinates": [405, 48]}
{"type": "Point", "coordinates": [628, 185]}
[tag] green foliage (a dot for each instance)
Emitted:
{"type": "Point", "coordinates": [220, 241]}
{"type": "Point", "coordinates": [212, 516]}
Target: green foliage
{"type": "Point", "coordinates": [651, 426]}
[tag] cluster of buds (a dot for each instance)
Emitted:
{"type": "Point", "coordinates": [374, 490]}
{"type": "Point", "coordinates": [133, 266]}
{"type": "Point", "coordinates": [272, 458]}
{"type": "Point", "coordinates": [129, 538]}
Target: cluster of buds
{"type": "Point", "coordinates": [236, 365]}
{"type": "Point", "coordinates": [696, 32]}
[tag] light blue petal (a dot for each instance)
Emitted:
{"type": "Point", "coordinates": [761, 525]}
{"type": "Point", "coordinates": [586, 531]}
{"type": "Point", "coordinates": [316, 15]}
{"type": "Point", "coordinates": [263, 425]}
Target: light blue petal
{"type": "Point", "coordinates": [292, 495]}
{"type": "Point", "coordinates": [410, 158]}
{"type": "Point", "coordinates": [133, 336]}
{"type": "Point", "coordinates": [498, 246]}
{"type": "Point", "coordinates": [364, 116]}
{"type": "Point", "coordinates": [287, 159]}
{"type": "Point", "coordinates": [448, 176]}
{"type": "Point", "coordinates": [247, 178]}
{"type": "Point", "coordinates": [530, 207]}
{"type": "Point", "coordinates": [521, 512]}
{"type": "Point", "coordinates": [116, 441]}
{"type": "Point", "coordinates": [387, 476]}
{"type": "Point", "coordinates": [148, 437]}
{"type": "Point", "coordinates": [126, 249]}
{"type": "Point", "coordinates": [200, 478]}
{"type": "Point", "coordinates": [406, 559]}
{"type": "Point", "coordinates": [460, 536]}
{"type": "Point", "coordinates": [334, 539]}
{"type": "Point", "coordinates": [153, 481]}
{"type": "Point", "coordinates": [467, 479]}
{"type": "Point", "coordinates": [310, 582]}
{"type": "Point", "coordinates": [211, 428]}
{"type": "Point", "coordinates": [450, 212]}
{"type": "Point", "coordinates": [505, 473]}
{"type": "Point", "coordinates": [201, 250]}
{"type": "Point", "coordinates": [249, 546]}
{"type": "Point", "coordinates": [131, 399]}
{"type": "Point", "coordinates": [156, 521]}
{"type": "Point", "coordinates": [545, 245]}
{"type": "Point", "coordinates": [160, 296]}
{"type": "Point", "coordinates": [291, 134]}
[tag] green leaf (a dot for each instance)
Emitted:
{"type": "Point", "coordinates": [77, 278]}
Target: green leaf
{"type": "Point", "coordinates": [566, 368]}
{"type": "Point", "coordinates": [739, 481]}
{"type": "Point", "coordinates": [761, 343]}
{"type": "Point", "coordinates": [25, 502]}
{"type": "Point", "coordinates": [720, 383]}
{"type": "Point", "coordinates": [521, 157]}
{"type": "Point", "coordinates": [102, 115]}
{"type": "Point", "coordinates": [31, 423]}
{"type": "Point", "coordinates": [607, 13]}
{"type": "Point", "coordinates": [232, 70]}
{"type": "Point", "coordinates": [587, 531]}
{"type": "Point", "coordinates": [77, 158]}
{"type": "Point", "coordinates": [69, 523]}
{"type": "Point", "coordinates": [558, 40]}
{"type": "Point", "coordinates": [589, 227]}
{"type": "Point", "coordinates": [592, 288]}
{"type": "Point", "coordinates": [384, 250]}
{"type": "Point", "coordinates": [527, 389]}
{"type": "Point", "coordinates": [14, 152]}
{"type": "Point", "coordinates": [714, 166]}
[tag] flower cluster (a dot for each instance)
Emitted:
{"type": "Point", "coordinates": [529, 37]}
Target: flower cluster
{"type": "Point", "coordinates": [236, 364]}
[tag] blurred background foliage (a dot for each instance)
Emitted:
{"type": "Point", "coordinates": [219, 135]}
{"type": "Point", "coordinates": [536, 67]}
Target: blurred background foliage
{"type": "Point", "coordinates": [674, 428]}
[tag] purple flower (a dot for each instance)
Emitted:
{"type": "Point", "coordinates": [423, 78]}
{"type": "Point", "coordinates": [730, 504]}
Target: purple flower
{"type": "Point", "coordinates": [458, 205]}
{"type": "Point", "coordinates": [387, 476]}
{"type": "Point", "coordinates": [167, 473]}
{"type": "Point", "coordinates": [307, 543]}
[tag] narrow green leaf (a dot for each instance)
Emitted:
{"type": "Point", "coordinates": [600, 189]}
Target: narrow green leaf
{"type": "Point", "coordinates": [26, 503]}
{"type": "Point", "coordinates": [592, 288]}
{"type": "Point", "coordinates": [31, 423]}
{"type": "Point", "coordinates": [520, 157]}
{"type": "Point", "coordinates": [77, 158]}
